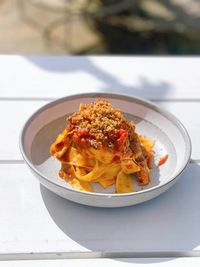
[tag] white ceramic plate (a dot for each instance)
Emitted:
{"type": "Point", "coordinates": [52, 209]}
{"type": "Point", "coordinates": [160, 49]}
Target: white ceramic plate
{"type": "Point", "coordinates": [171, 138]}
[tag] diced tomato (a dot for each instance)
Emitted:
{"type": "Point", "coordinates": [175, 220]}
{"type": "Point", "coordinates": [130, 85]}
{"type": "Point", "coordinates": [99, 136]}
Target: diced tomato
{"type": "Point", "coordinates": [83, 141]}
{"type": "Point", "coordinates": [75, 138]}
{"type": "Point", "coordinates": [122, 136]}
{"type": "Point", "coordinates": [83, 132]}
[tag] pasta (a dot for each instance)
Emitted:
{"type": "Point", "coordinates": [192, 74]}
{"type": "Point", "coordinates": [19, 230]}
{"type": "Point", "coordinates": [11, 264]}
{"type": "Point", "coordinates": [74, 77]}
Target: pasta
{"type": "Point", "coordinates": [99, 145]}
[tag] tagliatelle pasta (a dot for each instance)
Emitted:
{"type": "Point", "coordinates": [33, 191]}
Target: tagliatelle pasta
{"type": "Point", "coordinates": [100, 145]}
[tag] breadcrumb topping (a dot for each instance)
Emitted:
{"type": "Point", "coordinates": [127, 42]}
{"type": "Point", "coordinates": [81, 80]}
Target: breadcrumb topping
{"type": "Point", "coordinates": [100, 122]}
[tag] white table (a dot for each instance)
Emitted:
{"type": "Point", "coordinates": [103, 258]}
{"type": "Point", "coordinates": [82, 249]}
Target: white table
{"type": "Point", "coordinates": [38, 228]}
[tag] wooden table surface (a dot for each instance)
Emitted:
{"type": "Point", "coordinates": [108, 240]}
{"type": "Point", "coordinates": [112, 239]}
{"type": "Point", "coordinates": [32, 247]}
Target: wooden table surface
{"type": "Point", "coordinates": [38, 228]}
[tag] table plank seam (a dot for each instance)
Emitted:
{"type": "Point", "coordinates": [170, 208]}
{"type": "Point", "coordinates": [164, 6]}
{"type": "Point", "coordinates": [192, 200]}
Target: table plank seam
{"type": "Point", "coordinates": [27, 99]}
{"type": "Point", "coordinates": [96, 255]}
{"type": "Point", "coordinates": [12, 161]}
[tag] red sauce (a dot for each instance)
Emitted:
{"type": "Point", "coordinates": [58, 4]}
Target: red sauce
{"type": "Point", "coordinates": [116, 159]}
{"type": "Point", "coordinates": [82, 137]}
{"type": "Point", "coordinates": [60, 145]}
{"type": "Point", "coordinates": [162, 160]}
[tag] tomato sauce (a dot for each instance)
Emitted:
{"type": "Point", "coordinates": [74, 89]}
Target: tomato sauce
{"type": "Point", "coordinates": [162, 160]}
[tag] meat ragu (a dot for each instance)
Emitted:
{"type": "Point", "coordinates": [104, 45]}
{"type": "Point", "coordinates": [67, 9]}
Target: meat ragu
{"type": "Point", "coordinates": [100, 145]}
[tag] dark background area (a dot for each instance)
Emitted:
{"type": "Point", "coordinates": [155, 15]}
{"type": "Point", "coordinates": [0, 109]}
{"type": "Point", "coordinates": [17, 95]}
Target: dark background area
{"type": "Point", "coordinates": [144, 27]}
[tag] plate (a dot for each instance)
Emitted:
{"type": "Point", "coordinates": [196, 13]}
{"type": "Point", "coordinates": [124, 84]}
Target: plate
{"type": "Point", "coordinates": [170, 137]}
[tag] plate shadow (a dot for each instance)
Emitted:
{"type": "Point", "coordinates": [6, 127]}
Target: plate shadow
{"type": "Point", "coordinates": [169, 222]}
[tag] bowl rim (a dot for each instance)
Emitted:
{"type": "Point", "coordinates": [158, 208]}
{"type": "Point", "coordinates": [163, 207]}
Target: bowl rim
{"type": "Point", "coordinates": [125, 97]}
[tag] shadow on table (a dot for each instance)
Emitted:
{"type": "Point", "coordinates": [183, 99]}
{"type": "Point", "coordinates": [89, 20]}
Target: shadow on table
{"type": "Point", "coordinates": [169, 222]}
{"type": "Point", "coordinates": [146, 88]}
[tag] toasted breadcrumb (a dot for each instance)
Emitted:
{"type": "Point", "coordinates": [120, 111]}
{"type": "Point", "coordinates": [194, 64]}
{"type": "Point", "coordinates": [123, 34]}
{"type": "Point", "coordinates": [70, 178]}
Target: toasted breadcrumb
{"type": "Point", "coordinates": [101, 121]}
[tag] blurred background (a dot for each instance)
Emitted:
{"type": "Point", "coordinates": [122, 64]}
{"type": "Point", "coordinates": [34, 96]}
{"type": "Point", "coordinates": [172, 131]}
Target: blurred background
{"type": "Point", "coordinates": [100, 27]}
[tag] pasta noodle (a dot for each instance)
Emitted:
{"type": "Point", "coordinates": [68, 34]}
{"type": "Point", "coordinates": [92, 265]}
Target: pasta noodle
{"type": "Point", "coordinates": [100, 145]}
